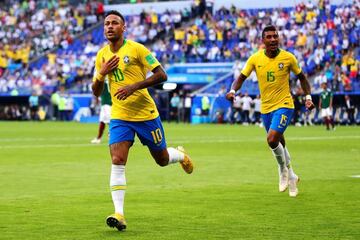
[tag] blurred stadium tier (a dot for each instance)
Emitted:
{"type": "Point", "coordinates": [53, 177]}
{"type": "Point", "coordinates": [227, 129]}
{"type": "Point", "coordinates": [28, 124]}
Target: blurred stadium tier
{"type": "Point", "coordinates": [47, 44]}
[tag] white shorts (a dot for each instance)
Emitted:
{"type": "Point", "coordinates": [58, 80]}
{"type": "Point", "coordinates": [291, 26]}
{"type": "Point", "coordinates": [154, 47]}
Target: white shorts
{"type": "Point", "coordinates": [326, 112]}
{"type": "Point", "coordinates": [105, 113]}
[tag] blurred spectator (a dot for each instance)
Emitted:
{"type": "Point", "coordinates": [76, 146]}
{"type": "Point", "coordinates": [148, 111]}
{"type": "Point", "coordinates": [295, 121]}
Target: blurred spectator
{"type": "Point", "coordinates": [63, 106]}
{"type": "Point", "coordinates": [174, 107]}
{"type": "Point", "coordinates": [236, 115]}
{"type": "Point", "coordinates": [350, 109]}
{"type": "Point", "coordinates": [34, 105]}
{"type": "Point", "coordinates": [237, 67]}
{"type": "Point", "coordinates": [55, 99]}
{"type": "Point", "coordinates": [246, 101]}
{"type": "Point", "coordinates": [222, 90]}
{"type": "Point", "coordinates": [187, 106]}
{"type": "Point", "coordinates": [321, 78]}
{"type": "Point", "coordinates": [69, 107]}
{"type": "Point", "coordinates": [257, 109]}
{"type": "Point", "coordinates": [205, 105]}
{"type": "Point", "coordinates": [298, 104]}
{"type": "Point", "coordinates": [346, 82]}
{"type": "Point", "coordinates": [181, 109]}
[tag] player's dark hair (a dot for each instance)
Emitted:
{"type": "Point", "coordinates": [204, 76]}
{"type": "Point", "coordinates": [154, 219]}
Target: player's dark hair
{"type": "Point", "coordinates": [268, 29]}
{"type": "Point", "coordinates": [114, 12]}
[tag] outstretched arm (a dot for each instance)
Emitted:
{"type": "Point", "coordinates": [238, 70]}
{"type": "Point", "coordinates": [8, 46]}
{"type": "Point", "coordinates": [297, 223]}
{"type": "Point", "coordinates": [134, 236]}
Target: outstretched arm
{"type": "Point", "coordinates": [159, 76]}
{"type": "Point", "coordinates": [236, 85]}
{"type": "Point", "coordinates": [307, 90]}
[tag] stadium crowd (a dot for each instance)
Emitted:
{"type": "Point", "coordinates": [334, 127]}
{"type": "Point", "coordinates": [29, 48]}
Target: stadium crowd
{"type": "Point", "coordinates": [324, 38]}
{"type": "Point", "coordinates": [31, 28]}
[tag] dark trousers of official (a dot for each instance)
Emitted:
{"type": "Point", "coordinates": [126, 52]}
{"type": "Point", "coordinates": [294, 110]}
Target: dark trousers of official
{"type": "Point", "coordinates": [350, 113]}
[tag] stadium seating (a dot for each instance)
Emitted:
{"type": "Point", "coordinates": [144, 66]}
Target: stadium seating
{"type": "Point", "coordinates": [232, 41]}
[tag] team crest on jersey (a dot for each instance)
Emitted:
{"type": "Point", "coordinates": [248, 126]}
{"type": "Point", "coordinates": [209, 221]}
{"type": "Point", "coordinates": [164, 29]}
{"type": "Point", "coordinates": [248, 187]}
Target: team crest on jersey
{"type": "Point", "coordinates": [126, 59]}
{"type": "Point", "coordinates": [281, 66]}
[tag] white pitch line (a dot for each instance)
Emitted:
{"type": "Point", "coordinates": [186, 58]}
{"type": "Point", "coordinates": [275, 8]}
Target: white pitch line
{"type": "Point", "coordinates": [355, 176]}
{"type": "Point", "coordinates": [50, 146]}
{"type": "Point", "coordinates": [41, 139]}
{"type": "Point", "coordinates": [192, 140]}
{"type": "Point", "coordinates": [322, 138]}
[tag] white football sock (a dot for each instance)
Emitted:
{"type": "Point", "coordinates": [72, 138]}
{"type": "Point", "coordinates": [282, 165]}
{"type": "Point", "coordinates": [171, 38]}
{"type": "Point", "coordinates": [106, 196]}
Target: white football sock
{"type": "Point", "coordinates": [292, 175]}
{"type": "Point", "coordinates": [118, 186]}
{"type": "Point", "coordinates": [279, 154]}
{"type": "Point", "coordinates": [175, 155]}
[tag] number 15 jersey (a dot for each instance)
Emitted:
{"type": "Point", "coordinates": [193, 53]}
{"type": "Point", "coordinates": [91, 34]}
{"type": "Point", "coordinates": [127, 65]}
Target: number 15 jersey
{"type": "Point", "coordinates": [273, 77]}
{"type": "Point", "coordinates": [135, 61]}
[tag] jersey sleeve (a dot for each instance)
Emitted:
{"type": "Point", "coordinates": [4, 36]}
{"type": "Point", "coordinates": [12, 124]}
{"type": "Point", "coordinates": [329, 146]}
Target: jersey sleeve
{"type": "Point", "coordinates": [97, 65]}
{"type": "Point", "coordinates": [294, 65]}
{"type": "Point", "coordinates": [146, 58]}
{"type": "Point", "coordinates": [249, 66]}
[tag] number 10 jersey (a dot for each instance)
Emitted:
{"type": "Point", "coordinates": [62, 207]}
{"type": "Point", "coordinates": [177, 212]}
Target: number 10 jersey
{"type": "Point", "coordinates": [135, 62]}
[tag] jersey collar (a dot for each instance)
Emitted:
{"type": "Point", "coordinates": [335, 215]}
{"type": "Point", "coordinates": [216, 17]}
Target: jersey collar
{"type": "Point", "coordinates": [277, 53]}
{"type": "Point", "coordinates": [124, 42]}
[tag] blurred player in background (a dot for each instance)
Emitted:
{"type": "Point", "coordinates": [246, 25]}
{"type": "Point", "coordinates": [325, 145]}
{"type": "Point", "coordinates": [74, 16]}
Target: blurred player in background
{"type": "Point", "coordinates": [326, 106]}
{"type": "Point", "coordinates": [126, 63]}
{"type": "Point", "coordinates": [273, 66]}
{"type": "Point", "coordinates": [105, 112]}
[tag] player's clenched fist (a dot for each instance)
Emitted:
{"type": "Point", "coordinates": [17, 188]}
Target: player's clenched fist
{"type": "Point", "coordinates": [309, 105]}
{"type": "Point", "coordinates": [230, 96]}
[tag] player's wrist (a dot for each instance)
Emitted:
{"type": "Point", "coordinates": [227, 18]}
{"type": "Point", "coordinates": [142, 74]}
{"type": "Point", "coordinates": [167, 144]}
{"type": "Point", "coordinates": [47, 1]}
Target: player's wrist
{"type": "Point", "coordinates": [232, 91]}
{"type": "Point", "coordinates": [308, 97]}
{"type": "Point", "coordinates": [100, 77]}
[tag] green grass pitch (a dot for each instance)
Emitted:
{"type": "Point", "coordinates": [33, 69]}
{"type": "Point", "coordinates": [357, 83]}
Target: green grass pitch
{"type": "Point", "coordinates": [55, 185]}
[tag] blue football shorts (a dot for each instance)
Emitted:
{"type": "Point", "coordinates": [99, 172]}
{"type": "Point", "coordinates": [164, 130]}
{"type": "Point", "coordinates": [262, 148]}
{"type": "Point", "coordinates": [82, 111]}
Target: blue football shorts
{"type": "Point", "coordinates": [277, 120]}
{"type": "Point", "coordinates": [150, 133]}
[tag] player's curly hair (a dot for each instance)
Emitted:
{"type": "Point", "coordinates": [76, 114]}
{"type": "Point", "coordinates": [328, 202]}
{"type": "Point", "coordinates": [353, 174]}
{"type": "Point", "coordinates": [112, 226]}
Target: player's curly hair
{"type": "Point", "coordinates": [267, 29]}
{"type": "Point", "coordinates": [114, 12]}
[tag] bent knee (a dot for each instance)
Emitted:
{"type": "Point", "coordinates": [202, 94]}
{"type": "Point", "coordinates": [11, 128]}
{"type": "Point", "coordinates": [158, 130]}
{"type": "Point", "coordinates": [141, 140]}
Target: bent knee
{"type": "Point", "coordinates": [162, 162]}
{"type": "Point", "coordinates": [272, 141]}
{"type": "Point", "coordinates": [117, 160]}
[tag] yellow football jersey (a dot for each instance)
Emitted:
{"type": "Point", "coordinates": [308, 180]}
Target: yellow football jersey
{"type": "Point", "coordinates": [135, 61]}
{"type": "Point", "coordinates": [273, 77]}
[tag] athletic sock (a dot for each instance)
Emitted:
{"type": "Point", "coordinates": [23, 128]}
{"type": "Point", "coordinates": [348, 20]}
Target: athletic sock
{"type": "Point", "coordinates": [288, 163]}
{"type": "Point", "coordinates": [118, 186]}
{"type": "Point", "coordinates": [279, 155]}
{"type": "Point", "coordinates": [175, 155]}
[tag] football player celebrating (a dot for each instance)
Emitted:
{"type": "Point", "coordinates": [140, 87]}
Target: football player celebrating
{"type": "Point", "coordinates": [133, 111]}
{"type": "Point", "coordinates": [272, 66]}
